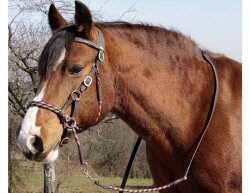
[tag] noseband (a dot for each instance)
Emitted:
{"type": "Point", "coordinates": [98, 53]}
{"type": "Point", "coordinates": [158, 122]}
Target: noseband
{"type": "Point", "coordinates": [69, 121]}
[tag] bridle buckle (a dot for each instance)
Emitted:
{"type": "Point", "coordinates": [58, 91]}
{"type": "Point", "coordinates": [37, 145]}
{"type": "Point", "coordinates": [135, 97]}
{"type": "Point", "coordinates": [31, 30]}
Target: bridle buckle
{"type": "Point", "coordinates": [69, 122]}
{"type": "Point", "coordinates": [87, 81]}
{"type": "Point", "coordinates": [100, 55]}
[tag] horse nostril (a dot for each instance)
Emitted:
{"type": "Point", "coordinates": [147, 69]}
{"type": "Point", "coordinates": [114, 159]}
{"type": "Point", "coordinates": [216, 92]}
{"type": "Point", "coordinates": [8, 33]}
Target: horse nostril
{"type": "Point", "coordinates": [28, 155]}
{"type": "Point", "coordinates": [37, 144]}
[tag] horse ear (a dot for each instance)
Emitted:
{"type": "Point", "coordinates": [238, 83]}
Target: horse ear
{"type": "Point", "coordinates": [56, 20]}
{"type": "Point", "coordinates": [83, 17]}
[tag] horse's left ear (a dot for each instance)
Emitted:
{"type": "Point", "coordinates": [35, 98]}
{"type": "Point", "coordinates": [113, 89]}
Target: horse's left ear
{"type": "Point", "coordinates": [83, 17]}
{"type": "Point", "coordinates": [56, 20]}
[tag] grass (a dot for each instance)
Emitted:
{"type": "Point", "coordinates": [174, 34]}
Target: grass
{"type": "Point", "coordinates": [68, 181]}
{"type": "Point", "coordinates": [77, 183]}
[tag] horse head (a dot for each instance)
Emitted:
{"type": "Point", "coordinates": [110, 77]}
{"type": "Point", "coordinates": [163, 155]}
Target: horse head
{"type": "Point", "coordinates": [66, 67]}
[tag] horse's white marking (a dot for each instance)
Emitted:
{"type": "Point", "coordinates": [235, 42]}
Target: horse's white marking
{"type": "Point", "coordinates": [28, 127]}
{"type": "Point", "coordinates": [61, 58]}
{"type": "Point", "coordinates": [52, 156]}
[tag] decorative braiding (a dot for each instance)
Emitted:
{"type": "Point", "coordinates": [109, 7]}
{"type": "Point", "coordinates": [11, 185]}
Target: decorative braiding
{"type": "Point", "coordinates": [113, 188]}
{"type": "Point", "coordinates": [63, 117]}
{"type": "Point", "coordinates": [99, 111]}
{"type": "Point", "coordinates": [46, 106]}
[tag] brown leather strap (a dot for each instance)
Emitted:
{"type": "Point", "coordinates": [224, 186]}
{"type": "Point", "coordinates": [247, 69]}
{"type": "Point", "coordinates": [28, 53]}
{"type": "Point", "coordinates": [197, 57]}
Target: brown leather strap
{"type": "Point", "coordinates": [199, 140]}
{"type": "Point", "coordinates": [99, 45]}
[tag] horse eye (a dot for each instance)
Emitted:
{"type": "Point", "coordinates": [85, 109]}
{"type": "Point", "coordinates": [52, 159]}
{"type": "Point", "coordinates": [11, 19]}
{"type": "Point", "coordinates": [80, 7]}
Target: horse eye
{"type": "Point", "coordinates": [74, 69]}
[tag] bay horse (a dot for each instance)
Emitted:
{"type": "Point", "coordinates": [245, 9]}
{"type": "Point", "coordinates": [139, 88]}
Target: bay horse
{"type": "Point", "coordinates": [157, 81]}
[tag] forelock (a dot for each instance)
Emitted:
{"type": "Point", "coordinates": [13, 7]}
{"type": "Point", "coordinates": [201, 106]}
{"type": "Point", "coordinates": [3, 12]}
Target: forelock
{"type": "Point", "coordinates": [53, 49]}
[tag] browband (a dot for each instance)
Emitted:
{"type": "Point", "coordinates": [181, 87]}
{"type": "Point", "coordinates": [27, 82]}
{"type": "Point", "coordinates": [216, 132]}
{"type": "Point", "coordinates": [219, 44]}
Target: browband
{"type": "Point", "coordinates": [99, 45]}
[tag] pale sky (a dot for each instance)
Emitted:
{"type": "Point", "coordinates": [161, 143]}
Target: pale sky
{"type": "Point", "coordinates": [214, 24]}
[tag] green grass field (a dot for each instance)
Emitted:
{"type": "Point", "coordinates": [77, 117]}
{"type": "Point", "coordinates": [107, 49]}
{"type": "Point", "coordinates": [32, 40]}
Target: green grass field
{"type": "Point", "coordinates": [34, 183]}
{"type": "Point", "coordinates": [68, 180]}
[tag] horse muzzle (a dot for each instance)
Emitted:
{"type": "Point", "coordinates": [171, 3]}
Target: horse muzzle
{"type": "Point", "coordinates": [33, 149]}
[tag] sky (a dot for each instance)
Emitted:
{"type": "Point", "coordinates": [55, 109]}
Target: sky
{"type": "Point", "coordinates": [215, 24]}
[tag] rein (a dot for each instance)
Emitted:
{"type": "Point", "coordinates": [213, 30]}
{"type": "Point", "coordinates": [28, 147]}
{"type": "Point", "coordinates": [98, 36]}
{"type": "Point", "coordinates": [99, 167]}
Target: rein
{"type": "Point", "coordinates": [199, 140]}
{"type": "Point", "coordinates": [70, 126]}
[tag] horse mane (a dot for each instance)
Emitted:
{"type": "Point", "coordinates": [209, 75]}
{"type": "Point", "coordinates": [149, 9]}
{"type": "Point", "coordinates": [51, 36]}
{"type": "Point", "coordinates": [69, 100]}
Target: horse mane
{"type": "Point", "coordinates": [152, 36]}
{"type": "Point", "coordinates": [53, 49]}
{"type": "Point", "coordinates": [146, 27]}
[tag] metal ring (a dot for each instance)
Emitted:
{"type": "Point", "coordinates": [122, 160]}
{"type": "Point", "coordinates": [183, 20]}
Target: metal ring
{"type": "Point", "coordinates": [67, 118]}
{"type": "Point", "coordinates": [70, 124]}
{"type": "Point", "coordinates": [64, 141]}
{"type": "Point", "coordinates": [76, 95]}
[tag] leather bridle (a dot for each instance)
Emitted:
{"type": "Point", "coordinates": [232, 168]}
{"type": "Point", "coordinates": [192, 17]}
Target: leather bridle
{"type": "Point", "coordinates": [70, 126]}
{"type": "Point", "coordinates": [69, 121]}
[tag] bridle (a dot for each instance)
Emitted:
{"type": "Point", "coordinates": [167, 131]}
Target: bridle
{"type": "Point", "coordinates": [70, 126]}
{"type": "Point", "coordinates": [69, 121]}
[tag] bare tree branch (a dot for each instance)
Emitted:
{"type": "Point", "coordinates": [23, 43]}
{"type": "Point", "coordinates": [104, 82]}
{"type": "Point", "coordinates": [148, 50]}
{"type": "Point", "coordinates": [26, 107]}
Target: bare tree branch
{"type": "Point", "coordinates": [18, 101]}
{"type": "Point", "coordinates": [130, 10]}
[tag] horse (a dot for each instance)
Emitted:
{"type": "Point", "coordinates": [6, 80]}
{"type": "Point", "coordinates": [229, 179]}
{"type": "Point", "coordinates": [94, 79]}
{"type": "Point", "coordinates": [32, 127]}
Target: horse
{"type": "Point", "coordinates": [155, 80]}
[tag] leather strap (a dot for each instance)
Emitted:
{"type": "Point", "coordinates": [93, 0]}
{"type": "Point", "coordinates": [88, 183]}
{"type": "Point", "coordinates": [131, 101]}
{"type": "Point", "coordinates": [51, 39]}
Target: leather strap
{"type": "Point", "coordinates": [99, 45]}
{"type": "Point", "coordinates": [199, 139]}
{"type": "Point", "coordinates": [130, 162]}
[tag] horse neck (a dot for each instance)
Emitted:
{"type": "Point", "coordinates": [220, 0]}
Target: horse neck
{"type": "Point", "coordinates": [163, 87]}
